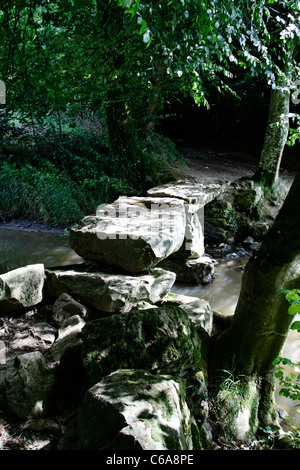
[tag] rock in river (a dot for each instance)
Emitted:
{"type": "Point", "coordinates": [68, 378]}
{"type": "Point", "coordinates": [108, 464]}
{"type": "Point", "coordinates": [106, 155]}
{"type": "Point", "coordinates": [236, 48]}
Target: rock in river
{"type": "Point", "coordinates": [196, 194]}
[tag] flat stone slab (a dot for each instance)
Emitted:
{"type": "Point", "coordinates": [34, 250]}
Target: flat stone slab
{"type": "Point", "coordinates": [196, 194]}
{"type": "Point", "coordinates": [132, 233]}
{"type": "Point", "coordinates": [198, 191]}
{"type": "Point", "coordinates": [110, 292]}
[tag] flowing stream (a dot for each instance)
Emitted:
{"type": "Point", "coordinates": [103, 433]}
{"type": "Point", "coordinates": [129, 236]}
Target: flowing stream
{"type": "Point", "coordinates": [19, 248]}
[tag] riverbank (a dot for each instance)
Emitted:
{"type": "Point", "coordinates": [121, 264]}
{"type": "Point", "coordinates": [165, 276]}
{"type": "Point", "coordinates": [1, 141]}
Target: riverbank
{"type": "Point", "coordinates": [31, 226]}
{"type": "Point", "coordinates": [210, 163]}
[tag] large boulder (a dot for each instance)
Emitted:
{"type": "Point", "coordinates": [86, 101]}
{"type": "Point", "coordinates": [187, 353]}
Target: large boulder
{"type": "Point", "coordinates": [133, 234]}
{"type": "Point", "coordinates": [199, 310]}
{"type": "Point", "coordinates": [195, 193]}
{"type": "Point", "coordinates": [21, 288]}
{"type": "Point", "coordinates": [133, 410]}
{"type": "Point", "coordinates": [110, 292]}
{"type": "Point", "coordinates": [160, 340]}
{"type": "Point", "coordinates": [25, 385]}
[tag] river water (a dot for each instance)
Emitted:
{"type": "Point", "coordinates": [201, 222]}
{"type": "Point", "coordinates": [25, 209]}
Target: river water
{"type": "Point", "coordinates": [18, 248]}
{"type": "Point", "coordinates": [21, 247]}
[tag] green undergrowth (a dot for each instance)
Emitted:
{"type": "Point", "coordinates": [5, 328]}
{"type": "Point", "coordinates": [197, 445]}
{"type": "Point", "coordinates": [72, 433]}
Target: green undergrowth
{"type": "Point", "coordinates": [58, 179]}
{"type": "Point", "coordinates": [50, 196]}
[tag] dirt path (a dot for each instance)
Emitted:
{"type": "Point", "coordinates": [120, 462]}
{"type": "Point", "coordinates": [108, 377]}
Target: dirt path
{"type": "Point", "coordinates": [206, 163]}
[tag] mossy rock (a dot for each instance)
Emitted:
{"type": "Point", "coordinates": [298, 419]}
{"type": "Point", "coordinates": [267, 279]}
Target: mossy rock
{"type": "Point", "coordinates": [132, 410]}
{"type": "Point", "coordinates": [160, 340]}
{"type": "Point", "coordinates": [247, 200]}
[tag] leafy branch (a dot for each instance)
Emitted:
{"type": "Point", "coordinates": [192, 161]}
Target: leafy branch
{"type": "Point", "coordinates": [290, 379]}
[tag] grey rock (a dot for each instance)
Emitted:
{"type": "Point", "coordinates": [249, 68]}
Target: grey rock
{"type": "Point", "coordinates": [65, 306]}
{"type": "Point", "coordinates": [198, 310]}
{"type": "Point", "coordinates": [22, 287]}
{"type": "Point", "coordinates": [248, 198]}
{"type": "Point", "coordinates": [160, 340]}
{"type": "Point", "coordinates": [195, 194]}
{"type": "Point", "coordinates": [199, 191]}
{"type": "Point", "coordinates": [25, 382]}
{"type": "Point", "coordinates": [37, 336]}
{"type": "Point", "coordinates": [134, 410]}
{"type": "Point", "coordinates": [2, 352]}
{"type": "Point", "coordinates": [133, 234]}
{"type": "Point", "coordinates": [110, 292]}
{"type": "Point", "coordinates": [69, 334]}
{"type": "Point", "coordinates": [191, 271]}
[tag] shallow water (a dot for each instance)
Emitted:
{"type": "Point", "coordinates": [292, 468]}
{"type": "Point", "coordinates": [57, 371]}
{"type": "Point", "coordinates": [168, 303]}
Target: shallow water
{"type": "Point", "coordinates": [18, 248]}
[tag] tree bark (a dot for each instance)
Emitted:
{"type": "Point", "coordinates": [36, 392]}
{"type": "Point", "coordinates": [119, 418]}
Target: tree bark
{"type": "Point", "coordinates": [123, 141]}
{"type": "Point", "coordinates": [267, 172]}
{"type": "Point", "coordinates": [261, 323]}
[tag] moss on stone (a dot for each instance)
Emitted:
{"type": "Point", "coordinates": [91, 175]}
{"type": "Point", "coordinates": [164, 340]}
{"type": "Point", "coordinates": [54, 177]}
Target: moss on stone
{"type": "Point", "coordinates": [161, 340]}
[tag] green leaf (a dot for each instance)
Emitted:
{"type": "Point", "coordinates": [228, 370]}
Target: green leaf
{"type": "Point", "coordinates": [284, 392]}
{"type": "Point", "coordinates": [294, 308]}
{"type": "Point", "coordinates": [296, 326]}
{"type": "Point", "coordinates": [287, 361]}
{"type": "Point", "coordinates": [277, 361]}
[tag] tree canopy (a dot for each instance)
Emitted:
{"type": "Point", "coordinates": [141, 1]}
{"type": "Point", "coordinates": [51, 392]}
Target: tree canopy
{"type": "Point", "coordinates": [123, 60]}
{"type": "Point", "coordinates": [58, 53]}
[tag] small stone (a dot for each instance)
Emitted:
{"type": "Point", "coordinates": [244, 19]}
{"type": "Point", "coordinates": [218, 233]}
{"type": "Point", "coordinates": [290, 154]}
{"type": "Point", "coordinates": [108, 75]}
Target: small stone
{"type": "Point", "coordinates": [65, 306]}
{"type": "Point", "coordinates": [68, 334]}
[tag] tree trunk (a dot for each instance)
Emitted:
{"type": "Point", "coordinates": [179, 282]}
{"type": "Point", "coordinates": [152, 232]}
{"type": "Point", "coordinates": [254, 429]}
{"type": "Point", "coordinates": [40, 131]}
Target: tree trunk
{"type": "Point", "coordinates": [261, 322]}
{"type": "Point", "coordinates": [123, 141]}
{"type": "Point", "coordinates": [275, 139]}
{"type": "Point", "coordinates": [155, 102]}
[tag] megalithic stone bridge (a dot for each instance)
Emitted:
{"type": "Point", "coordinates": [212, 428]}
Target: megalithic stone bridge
{"type": "Point", "coordinates": [196, 194]}
{"type": "Point", "coordinates": [136, 233]}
